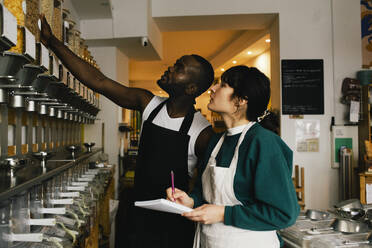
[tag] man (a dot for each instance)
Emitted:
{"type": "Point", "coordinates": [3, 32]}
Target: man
{"type": "Point", "coordinates": [173, 135]}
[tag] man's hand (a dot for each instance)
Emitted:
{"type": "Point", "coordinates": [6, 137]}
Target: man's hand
{"type": "Point", "coordinates": [45, 32]}
{"type": "Point", "coordinates": [207, 214]}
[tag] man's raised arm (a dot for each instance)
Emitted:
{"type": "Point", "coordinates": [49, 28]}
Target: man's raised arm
{"type": "Point", "coordinates": [126, 97]}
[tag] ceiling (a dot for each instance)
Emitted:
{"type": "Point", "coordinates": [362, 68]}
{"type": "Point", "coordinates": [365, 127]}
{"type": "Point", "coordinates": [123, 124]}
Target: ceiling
{"type": "Point", "coordinates": [208, 36]}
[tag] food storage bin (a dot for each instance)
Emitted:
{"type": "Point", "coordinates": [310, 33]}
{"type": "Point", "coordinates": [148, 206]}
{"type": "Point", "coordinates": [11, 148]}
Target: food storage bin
{"type": "Point", "coordinates": [57, 19]}
{"type": "Point", "coordinates": [15, 7]}
{"type": "Point", "coordinates": [32, 17]}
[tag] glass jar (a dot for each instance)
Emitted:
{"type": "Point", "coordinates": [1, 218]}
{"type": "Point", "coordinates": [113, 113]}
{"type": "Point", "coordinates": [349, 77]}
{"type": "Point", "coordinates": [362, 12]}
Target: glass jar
{"type": "Point", "coordinates": [57, 19]}
{"type": "Point", "coordinates": [47, 8]}
{"type": "Point", "coordinates": [32, 17]}
{"type": "Point", "coordinates": [74, 40]}
{"type": "Point", "coordinates": [65, 25]}
{"type": "Point", "coordinates": [15, 7]}
{"type": "Point", "coordinates": [81, 48]}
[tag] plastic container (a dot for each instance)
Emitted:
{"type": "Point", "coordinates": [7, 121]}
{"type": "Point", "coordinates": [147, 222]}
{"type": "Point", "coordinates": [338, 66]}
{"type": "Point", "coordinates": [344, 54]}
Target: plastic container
{"type": "Point", "coordinates": [15, 7]}
{"type": "Point", "coordinates": [74, 40]}
{"type": "Point", "coordinates": [32, 17]}
{"type": "Point", "coordinates": [57, 20]}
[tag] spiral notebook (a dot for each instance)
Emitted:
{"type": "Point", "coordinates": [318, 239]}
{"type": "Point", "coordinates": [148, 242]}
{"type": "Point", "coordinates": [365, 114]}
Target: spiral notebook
{"type": "Point", "coordinates": [163, 205]}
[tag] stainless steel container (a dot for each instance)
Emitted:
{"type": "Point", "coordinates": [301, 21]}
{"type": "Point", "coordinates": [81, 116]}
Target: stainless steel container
{"type": "Point", "coordinates": [3, 96]}
{"type": "Point", "coordinates": [16, 101]}
{"type": "Point", "coordinates": [43, 109]}
{"type": "Point", "coordinates": [30, 105]}
{"type": "Point", "coordinates": [51, 111]}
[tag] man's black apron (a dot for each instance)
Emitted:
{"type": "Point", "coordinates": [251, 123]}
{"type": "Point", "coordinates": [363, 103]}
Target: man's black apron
{"type": "Point", "coordinates": [162, 150]}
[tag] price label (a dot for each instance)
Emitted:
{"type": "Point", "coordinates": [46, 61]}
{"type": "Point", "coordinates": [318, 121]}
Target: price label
{"type": "Point", "coordinates": [52, 210]}
{"type": "Point", "coordinates": [84, 179]}
{"type": "Point", "coordinates": [88, 176]}
{"type": "Point", "coordinates": [9, 26]}
{"type": "Point", "coordinates": [69, 194]}
{"type": "Point", "coordinates": [44, 57]}
{"type": "Point", "coordinates": [30, 44]}
{"type": "Point", "coordinates": [66, 201]}
{"type": "Point", "coordinates": [85, 184]}
{"type": "Point", "coordinates": [55, 67]}
{"type": "Point", "coordinates": [42, 222]}
{"type": "Point", "coordinates": [75, 188]}
{"type": "Point", "coordinates": [30, 237]}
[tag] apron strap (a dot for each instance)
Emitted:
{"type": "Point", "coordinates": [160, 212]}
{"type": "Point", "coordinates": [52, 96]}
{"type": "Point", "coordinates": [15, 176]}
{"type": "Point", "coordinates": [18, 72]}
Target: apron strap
{"type": "Point", "coordinates": [187, 121]}
{"type": "Point", "coordinates": [156, 111]}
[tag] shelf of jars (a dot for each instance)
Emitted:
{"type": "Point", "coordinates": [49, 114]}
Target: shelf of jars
{"type": "Point", "coordinates": [49, 195]}
{"type": "Point", "coordinates": [32, 77]}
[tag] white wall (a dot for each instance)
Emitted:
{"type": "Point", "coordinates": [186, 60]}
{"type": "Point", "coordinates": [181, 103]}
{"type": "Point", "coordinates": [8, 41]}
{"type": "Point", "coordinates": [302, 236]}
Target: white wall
{"type": "Point", "coordinates": [106, 59]}
{"type": "Point", "coordinates": [261, 62]}
{"type": "Point", "coordinates": [305, 30]}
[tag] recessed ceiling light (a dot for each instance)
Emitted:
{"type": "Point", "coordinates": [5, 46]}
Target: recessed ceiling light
{"type": "Point", "coordinates": [234, 62]}
{"type": "Point", "coordinates": [249, 52]}
{"type": "Point", "coordinates": [160, 91]}
{"type": "Point", "coordinates": [267, 40]}
{"type": "Point", "coordinates": [222, 69]}
{"type": "Point", "coordinates": [209, 91]}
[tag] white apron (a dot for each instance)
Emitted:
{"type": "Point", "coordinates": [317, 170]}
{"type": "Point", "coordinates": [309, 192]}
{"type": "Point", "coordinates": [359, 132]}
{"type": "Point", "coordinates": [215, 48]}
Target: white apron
{"type": "Point", "coordinates": [218, 189]}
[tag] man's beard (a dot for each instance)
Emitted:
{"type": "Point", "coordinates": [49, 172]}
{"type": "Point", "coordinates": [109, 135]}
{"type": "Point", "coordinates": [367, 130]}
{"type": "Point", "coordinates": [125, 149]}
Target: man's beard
{"type": "Point", "coordinates": [173, 89]}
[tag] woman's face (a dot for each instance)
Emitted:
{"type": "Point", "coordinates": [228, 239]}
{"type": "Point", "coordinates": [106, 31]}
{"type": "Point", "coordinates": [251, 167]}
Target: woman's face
{"type": "Point", "coordinates": [221, 100]}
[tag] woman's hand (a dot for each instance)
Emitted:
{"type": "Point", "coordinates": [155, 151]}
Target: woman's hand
{"type": "Point", "coordinates": [207, 214]}
{"type": "Point", "coordinates": [45, 32]}
{"type": "Point", "coordinates": [180, 197]}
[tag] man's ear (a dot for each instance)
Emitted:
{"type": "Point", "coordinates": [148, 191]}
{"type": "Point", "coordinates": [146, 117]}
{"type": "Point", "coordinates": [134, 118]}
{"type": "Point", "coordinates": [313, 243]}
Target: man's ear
{"type": "Point", "coordinates": [191, 89]}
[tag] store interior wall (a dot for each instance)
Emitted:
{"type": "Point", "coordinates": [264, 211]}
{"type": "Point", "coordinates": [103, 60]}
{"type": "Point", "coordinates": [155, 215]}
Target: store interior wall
{"type": "Point", "coordinates": [307, 30]}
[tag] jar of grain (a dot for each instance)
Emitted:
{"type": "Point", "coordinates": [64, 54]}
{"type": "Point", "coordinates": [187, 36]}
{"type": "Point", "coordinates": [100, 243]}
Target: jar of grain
{"type": "Point", "coordinates": [46, 8]}
{"type": "Point", "coordinates": [57, 19]}
{"type": "Point", "coordinates": [65, 14]}
{"type": "Point", "coordinates": [32, 17]}
{"type": "Point", "coordinates": [81, 48]}
{"type": "Point", "coordinates": [74, 40]}
{"type": "Point", "coordinates": [15, 7]}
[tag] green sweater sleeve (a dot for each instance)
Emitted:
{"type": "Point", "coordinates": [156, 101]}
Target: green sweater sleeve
{"type": "Point", "coordinates": [274, 203]}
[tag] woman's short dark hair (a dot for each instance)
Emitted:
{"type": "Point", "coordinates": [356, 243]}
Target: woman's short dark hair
{"type": "Point", "coordinates": [252, 85]}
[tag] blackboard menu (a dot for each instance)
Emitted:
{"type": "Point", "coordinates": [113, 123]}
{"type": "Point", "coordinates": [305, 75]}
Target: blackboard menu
{"type": "Point", "coordinates": [302, 87]}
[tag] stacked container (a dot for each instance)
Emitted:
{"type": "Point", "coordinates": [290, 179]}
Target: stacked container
{"type": "Point", "coordinates": [15, 7]}
{"type": "Point", "coordinates": [32, 17]}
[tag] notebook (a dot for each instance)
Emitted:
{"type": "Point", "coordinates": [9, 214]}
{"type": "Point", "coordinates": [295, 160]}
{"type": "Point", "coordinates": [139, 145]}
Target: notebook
{"type": "Point", "coordinates": [163, 205]}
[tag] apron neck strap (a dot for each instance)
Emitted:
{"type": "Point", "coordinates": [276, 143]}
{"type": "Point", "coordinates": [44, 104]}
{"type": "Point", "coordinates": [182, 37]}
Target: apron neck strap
{"type": "Point", "coordinates": [186, 123]}
{"type": "Point", "coordinates": [156, 111]}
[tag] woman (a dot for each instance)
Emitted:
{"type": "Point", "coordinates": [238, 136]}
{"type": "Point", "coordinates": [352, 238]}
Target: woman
{"type": "Point", "coordinates": [245, 191]}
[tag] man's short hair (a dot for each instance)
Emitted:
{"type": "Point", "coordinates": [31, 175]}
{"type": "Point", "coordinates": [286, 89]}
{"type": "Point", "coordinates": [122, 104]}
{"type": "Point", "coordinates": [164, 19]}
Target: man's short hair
{"type": "Point", "coordinates": [206, 74]}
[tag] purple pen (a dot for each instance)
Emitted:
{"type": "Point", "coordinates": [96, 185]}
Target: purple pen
{"type": "Point", "coordinates": [172, 177]}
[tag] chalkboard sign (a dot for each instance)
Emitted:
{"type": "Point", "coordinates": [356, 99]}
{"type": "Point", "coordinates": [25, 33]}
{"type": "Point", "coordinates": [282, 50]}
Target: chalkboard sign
{"type": "Point", "coordinates": [302, 87]}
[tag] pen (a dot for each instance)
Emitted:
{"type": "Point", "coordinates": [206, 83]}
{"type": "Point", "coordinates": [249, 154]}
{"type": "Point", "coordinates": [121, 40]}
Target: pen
{"type": "Point", "coordinates": [172, 177]}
